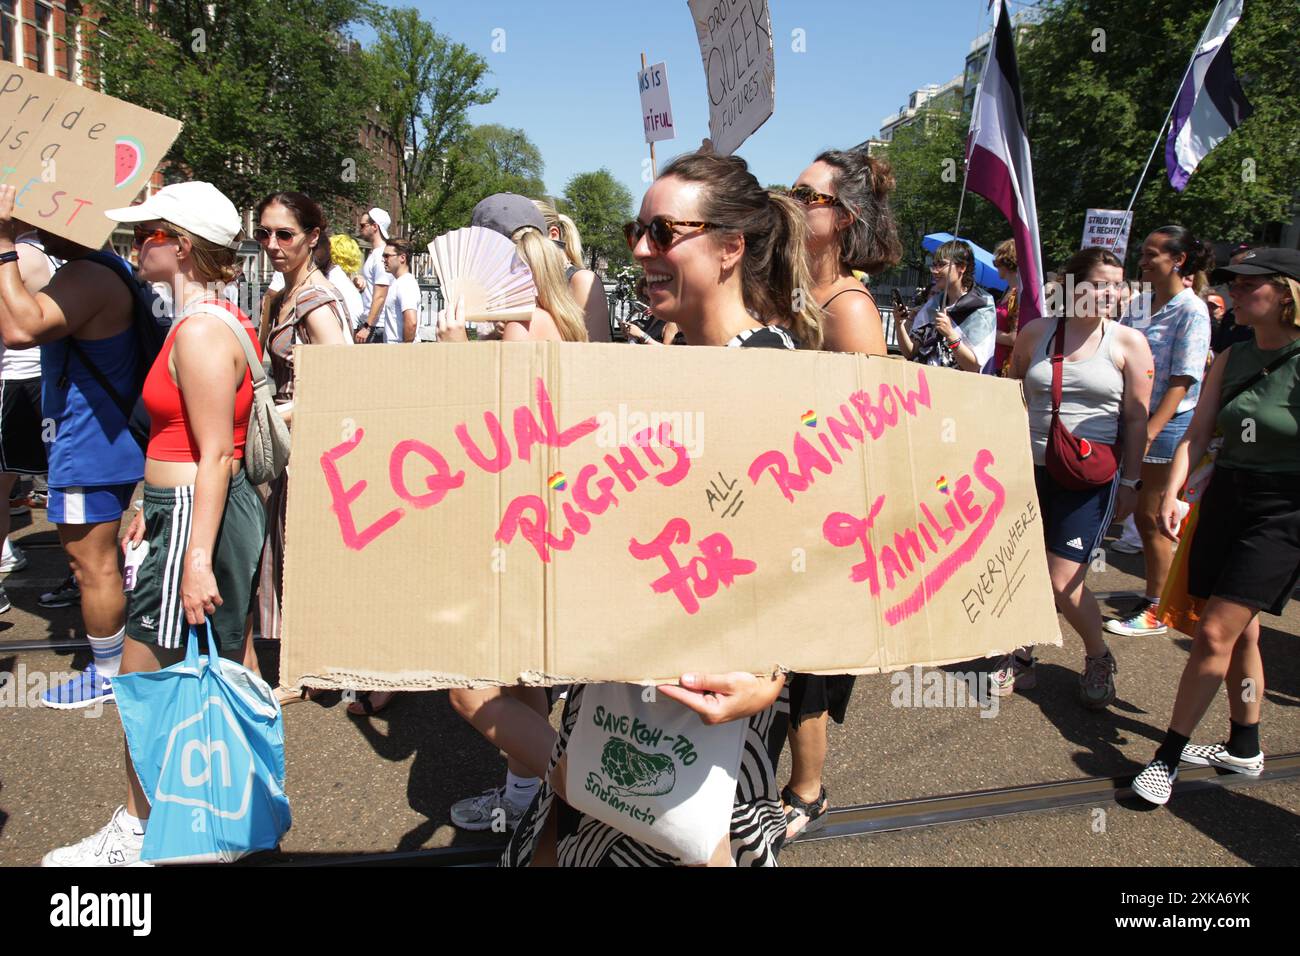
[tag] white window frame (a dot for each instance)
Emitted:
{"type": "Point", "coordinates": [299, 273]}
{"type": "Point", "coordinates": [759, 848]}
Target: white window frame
{"type": "Point", "coordinates": [51, 68]}
{"type": "Point", "coordinates": [18, 32]}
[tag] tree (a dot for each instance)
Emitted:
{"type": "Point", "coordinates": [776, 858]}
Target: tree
{"type": "Point", "coordinates": [485, 160]}
{"type": "Point", "coordinates": [600, 205]}
{"type": "Point", "coordinates": [271, 93]}
{"type": "Point", "coordinates": [424, 85]}
{"type": "Point", "coordinates": [927, 159]}
{"type": "Point", "coordinates": [1097, 83]}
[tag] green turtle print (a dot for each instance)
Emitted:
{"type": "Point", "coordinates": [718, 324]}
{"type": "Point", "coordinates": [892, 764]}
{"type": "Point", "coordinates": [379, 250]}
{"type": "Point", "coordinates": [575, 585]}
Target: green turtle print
{"type": "Point", "coordinates": [633, 773]}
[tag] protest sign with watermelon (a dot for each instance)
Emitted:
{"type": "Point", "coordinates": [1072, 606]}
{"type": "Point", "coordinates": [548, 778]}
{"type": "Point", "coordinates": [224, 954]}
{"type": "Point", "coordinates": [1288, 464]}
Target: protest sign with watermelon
{"type": "Point", "coordinates": [72, 153]}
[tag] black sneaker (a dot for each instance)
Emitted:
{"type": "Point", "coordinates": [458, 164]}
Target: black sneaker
{"type": "Point", "coordinates": [65, 595]}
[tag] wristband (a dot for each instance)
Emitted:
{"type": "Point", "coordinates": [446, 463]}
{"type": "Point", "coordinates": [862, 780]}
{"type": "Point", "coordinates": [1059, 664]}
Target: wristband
{"type": "Point", "coordinates": [10, 256]}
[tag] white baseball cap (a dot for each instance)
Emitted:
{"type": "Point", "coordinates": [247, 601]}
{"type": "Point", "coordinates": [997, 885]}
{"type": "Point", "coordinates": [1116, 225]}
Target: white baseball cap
{"type": "Point", "coordinates": [380, 219]}
{"type": "Point", "coordinates": [200, 208]}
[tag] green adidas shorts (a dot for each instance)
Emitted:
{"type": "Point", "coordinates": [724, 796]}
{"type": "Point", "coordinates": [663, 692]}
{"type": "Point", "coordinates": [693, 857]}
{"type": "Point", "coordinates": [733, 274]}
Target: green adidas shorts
{"type": "Point", "coordinates": [154, 613]}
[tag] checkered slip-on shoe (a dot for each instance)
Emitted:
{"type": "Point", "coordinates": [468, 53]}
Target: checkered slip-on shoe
{"type": "Point", "coordinates": [1216, 755]}
{"type": "Point", "coordinates": [1155, 783]}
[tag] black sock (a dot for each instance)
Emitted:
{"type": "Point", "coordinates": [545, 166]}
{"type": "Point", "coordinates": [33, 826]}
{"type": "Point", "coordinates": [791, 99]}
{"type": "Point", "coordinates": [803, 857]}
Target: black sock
{"type": "Point", "coordinates": [1171, 751]}
{"type": "Point", "coordinates": [1243, 739]}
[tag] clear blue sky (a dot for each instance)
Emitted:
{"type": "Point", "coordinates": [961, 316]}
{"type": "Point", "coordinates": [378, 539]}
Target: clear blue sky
{"type": "Point", "coordinates": [567, 75]}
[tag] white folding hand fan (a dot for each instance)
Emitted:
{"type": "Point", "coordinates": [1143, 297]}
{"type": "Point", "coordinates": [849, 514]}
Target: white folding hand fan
{"type": "Point", "coordinates": [485, 268]}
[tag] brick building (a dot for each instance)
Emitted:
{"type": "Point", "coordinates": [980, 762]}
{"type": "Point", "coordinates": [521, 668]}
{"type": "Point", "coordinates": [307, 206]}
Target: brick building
{"type": "Point", "coordinates": [57, 37]}
{"type": "Point", "coordinates": [48, 36]}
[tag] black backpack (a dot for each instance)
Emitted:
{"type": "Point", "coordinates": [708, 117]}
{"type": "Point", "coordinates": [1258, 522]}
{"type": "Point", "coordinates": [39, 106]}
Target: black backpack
{"type": "Point", "coordinates": [151, 322]}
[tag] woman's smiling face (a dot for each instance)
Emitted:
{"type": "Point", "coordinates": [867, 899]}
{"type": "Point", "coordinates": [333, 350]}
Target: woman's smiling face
{"type": "Point", "coordinates": [680, 275]}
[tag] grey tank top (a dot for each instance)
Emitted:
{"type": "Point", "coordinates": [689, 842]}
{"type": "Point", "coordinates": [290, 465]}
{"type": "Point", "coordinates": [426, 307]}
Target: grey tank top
{"type": "Point", "coordinates": [1091, 394]}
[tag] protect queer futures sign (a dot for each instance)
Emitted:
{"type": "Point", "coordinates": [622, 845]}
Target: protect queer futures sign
{"type": "Point", "coordinates": [547, 512]}
{"type": "Point", "coordinates": [739, 67]}
{"type": "Point", "coordinates": [72, 153]}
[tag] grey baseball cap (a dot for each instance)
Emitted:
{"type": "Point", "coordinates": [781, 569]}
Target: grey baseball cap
{"type": "Point", "coordinates": [507, 213]}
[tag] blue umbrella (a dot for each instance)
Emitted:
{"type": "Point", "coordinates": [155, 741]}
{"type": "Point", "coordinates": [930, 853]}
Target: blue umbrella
{"type": "Point", "coordinates": [986, 273]}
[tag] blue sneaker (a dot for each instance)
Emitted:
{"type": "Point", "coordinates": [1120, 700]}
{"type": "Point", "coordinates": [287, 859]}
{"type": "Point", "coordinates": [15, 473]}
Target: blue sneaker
{"type": "Point", "coordinates": [85, 689]}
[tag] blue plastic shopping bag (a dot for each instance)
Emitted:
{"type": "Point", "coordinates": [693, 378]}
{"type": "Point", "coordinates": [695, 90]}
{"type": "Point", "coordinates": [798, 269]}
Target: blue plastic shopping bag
{"type": "Point", "coordinates": [207, 740]}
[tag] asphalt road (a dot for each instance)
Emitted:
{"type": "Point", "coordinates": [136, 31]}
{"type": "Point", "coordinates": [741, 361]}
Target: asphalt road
{"type": "Point", "coordinates": [360, 786]}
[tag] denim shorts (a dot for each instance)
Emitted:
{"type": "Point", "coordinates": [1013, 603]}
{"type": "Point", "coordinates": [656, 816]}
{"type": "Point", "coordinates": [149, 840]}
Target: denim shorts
{"type": "Point", "coordinates": [1161, 451]}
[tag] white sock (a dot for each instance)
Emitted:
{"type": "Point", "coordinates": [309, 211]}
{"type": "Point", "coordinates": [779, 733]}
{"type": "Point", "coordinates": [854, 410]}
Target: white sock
{"type": "Point", "coordinates": [8, 551]}
{"type": "Point", "coordinates": [521, 790]}
{"type": "Point", "coordinates": [134, 824]}
{"type": "Point", "coordinates": [108, 652]}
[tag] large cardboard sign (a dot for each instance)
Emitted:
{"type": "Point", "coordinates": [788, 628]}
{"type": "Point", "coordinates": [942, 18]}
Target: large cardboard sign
{"type": "Point", "coordinates": [739, 67]}
{"type": "Point", "coordinates": [1109, 229]}
{"type": "Point", "coordinates": [551, 512]}
{"type": "Point", "coordinates": [656, 107]}
{"type": "Point", "coordinates": [72, 152]}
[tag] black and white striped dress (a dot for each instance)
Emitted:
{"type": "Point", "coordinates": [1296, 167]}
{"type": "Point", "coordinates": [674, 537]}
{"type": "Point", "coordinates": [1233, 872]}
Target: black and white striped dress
{"type": "Point", "coordinates": [757, 820]}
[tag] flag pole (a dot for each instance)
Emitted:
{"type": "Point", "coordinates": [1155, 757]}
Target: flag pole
{"type": "Point", "coordinates": [1161, 132]}
{"type": "Point", "coordinates": [984, 72]}
{"type": "Point", "coordinates": [654, 173]}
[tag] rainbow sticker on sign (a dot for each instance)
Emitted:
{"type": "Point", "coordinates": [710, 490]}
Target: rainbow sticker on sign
{"type": "Point", "coordinates": [558, 481]}
{"type": "Point", "coordinates": [128, 160]}
{"type": "Point", "coordinates": [810, 418]}
{"type": "Point", "coordinates": [941, 483]}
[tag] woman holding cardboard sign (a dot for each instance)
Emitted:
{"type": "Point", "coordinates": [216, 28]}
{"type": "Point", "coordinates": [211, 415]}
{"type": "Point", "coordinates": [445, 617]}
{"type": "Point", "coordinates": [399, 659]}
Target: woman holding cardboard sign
{"type": "Point", "coordinates": [515, 718]}
{"type": "Point", "coordinates": [89, 324]}
{"type": "Point", "coordinates": [845, 196]}
{"type": "Point", "coordinates": [714, 245]}
{"type": "Point", "coordinates": [195, 543]}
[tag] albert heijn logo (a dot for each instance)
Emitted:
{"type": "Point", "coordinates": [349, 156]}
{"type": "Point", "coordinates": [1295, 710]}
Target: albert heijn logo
{"type": "Point", "coordinates": [204, 769]}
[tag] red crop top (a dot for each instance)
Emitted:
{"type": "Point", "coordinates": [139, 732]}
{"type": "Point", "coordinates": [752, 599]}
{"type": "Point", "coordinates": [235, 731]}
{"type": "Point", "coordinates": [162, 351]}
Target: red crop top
{"type": "Point", "coordinates": [170, 438]}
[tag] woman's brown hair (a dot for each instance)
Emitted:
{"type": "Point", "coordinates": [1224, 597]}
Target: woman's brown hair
{"type": "Point", "coordinates": [775, 280]}
{"type": "Point", "coordinates": [212, 263]}
{"type": "Point", "coordinates": [862, 185]}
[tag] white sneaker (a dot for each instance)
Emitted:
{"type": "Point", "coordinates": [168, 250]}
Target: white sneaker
{"type": "Point", "coordinates": [488, 808]}
{"type": "Point", "coordinates": [115, 845]}
{"type": "Point", "coordinates": [15, 560]}
{"type": "Point", "coordinates": [1130, 542]}
{"type": "Point", "coordinates": [1012, 674]}
{"type": "Point", "coordinates": [1216, 755]}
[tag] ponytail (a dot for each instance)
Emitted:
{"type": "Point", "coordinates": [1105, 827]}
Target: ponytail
{"type": "Point", "coordinates": [553, 293]}
{"type": "Point", "coordinates": [776, 283]}
{"type": "Point", "coordinates": [572, 242]}
{"type": "Point", "coordinates": [1179, 241]}
{"type": "Point", "coordinates": [789, 274]}
{"type": "Point", "coordinates": [567, 229]}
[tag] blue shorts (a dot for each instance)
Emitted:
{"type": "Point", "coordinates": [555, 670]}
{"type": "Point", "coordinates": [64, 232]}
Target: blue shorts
{"type": "Point", "coordinates": [89, 504]}
{"type": "Point", "coordinates": [1161, 451]}
{"type": "Point", "coordinates": [1074, 522]}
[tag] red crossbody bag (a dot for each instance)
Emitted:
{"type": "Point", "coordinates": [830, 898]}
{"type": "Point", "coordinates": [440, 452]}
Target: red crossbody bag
{"type": "Point", "coordinates": [1075, 463]}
